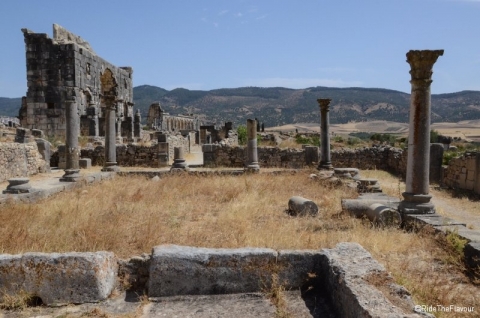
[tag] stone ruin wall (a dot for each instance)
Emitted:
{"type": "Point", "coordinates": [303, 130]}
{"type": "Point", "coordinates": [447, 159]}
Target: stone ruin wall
{"type": "Point", "coordinates": [20, 160]}
{"type": "Point", "coordinates": [66, 67]}
{"type": "Point", "coordinates": [128, 155]}
{"type": "Point", "coordinates": [382, 158]}
{"type": "Point", "coordinates": [464, 172]}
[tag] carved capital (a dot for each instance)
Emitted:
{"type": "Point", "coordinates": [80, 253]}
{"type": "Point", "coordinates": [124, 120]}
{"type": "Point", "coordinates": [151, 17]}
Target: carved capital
{"type": "Point", "coordinates": [323, 103]}
{"type": "Point", "coordinates": [421, 64]}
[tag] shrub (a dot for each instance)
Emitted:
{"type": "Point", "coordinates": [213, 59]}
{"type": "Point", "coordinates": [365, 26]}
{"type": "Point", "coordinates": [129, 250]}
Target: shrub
{"type": "Point", "coordinates": [242, 134]}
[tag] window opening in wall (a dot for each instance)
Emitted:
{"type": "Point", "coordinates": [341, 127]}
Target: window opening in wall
{"type": "Point", "coordinates": [87, 68]}
{"type": "Point", "coordinates": [50, 105]}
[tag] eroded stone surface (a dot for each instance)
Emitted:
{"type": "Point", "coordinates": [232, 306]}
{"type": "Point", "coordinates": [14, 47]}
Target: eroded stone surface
{"type": "Point", "coordinates": [183, 270]}
{"type": "Point", "coordinates": [59, 278]}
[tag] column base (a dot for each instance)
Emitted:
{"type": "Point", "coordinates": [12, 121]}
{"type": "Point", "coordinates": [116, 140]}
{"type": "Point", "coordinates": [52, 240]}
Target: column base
{"type": "Point", "coordinates": [110, 167]}
{"type": "Point", "coordinates": [17, 186]}
{"type": "Point", "coordinates": [179, 164]}
{"type": "Point", "coordinates": [416, 204]}
{"type": "Point", "coordinates": [325, 165]}
{"type": "Point", "coordinates": [71, 175]}
{"type": "Point", "coordinates": [252, 168]}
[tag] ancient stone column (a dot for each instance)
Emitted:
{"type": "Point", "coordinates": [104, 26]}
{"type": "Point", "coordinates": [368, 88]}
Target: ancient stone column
{"type": "Point", "coordinates": [325, 161]}
{"type": "Point", "coordinates": [417, 197]}
{"type": "Point", "coordinates": [110, 146]}
{"type": "Point", "coordinates": [252, 151]}
{"type": "Point", "coordinates": [93, 129]}
{"type": "Point", "coordinates": [137, 128]}
{"type": "Point", "coordinates": [72, 150]}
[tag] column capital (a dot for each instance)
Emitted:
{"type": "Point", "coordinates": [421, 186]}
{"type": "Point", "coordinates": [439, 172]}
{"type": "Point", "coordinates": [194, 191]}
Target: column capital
{"type": "Point", "coordinates": [421, 64]}
{"type": "Point", "coordinates": [323, 103]}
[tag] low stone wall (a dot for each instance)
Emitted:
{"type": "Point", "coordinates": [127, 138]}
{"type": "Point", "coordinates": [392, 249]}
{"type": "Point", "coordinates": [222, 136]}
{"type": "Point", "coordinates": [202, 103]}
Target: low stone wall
{"type": "Point", "coordinates": [20, 160]}
{"type": "Point", "coordinates": [382, 158]}
{"type": "Point", "coordinates": [463, 172]}
{"type": "Point", "coordinates": [339, 275]}
{"type": "Point", "coordinates": [127, 155]}
{"type": "Point", "coordinates": [217, 155]}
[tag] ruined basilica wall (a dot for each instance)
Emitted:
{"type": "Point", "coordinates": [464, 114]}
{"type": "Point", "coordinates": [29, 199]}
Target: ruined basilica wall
{"type": "Point", "coordinates": [20, 160]}
{"type": "Point", "coordinates": [60, 66]}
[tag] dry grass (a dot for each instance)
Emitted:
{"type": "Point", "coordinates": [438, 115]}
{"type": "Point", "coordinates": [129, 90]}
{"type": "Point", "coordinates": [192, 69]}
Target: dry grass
{"type": "Point", "coordinates": [130, 215]}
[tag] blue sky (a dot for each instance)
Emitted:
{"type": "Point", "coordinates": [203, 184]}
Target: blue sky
{"type": "Point", "coordinates": [221, 44]}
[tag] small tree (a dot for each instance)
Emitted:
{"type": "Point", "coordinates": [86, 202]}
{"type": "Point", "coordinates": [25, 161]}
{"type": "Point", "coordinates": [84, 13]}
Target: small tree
{"type": "Point", "coordinates": [433, 136]}
{"type": "Point", "coordinates": [242, 134]}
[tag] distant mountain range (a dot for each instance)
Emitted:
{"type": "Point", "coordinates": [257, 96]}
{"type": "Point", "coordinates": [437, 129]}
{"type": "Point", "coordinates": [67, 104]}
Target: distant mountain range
{"type": "Point", "coordinates": [278, 106]}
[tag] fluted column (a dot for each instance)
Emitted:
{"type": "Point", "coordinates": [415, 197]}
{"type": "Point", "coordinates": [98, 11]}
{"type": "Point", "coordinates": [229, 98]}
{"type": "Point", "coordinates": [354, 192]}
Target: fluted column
{"type": "Point", "coordinates": [110, 145]}
{"type": "Point", "coordinates": [72, 123]}
{"type": "Point", "coordinates": [417, 197]}
{"type": "Point", "coordinates": [325, 161]}
{"type": "Point", "coordinates": [252, 151]}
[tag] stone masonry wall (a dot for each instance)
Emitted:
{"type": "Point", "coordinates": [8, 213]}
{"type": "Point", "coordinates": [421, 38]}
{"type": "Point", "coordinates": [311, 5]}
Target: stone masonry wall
{"type": "Point", "coordinates": [129, 155]}
{"type": "Point", "coordinates": [268, 157]}
{"type": "Point", "coordinates": [464, 172]}
{"type": "Point", "coordinates": [177, 141]}
{"type": "Point", "coordinates": [383, 158]}
{"type": "Point", "coordinates": [68, 63]}
{"type": "Point", "coordinates": [20, 160]}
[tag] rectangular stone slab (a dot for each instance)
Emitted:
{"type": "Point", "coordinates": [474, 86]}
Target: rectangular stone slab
{"type": "Point", "coordinates": [184, 270]}
{"type": "Point", "coordinates": [59, 278]}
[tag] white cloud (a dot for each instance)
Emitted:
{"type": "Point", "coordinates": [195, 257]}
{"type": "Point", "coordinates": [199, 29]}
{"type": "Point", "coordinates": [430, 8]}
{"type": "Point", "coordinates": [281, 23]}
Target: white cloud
{"type": "Point", "coordinates": [300, 82]}
{"type": "Point", "coordinates": [223, 12]}
{"type": "Point", "coordinates": [239, 15]}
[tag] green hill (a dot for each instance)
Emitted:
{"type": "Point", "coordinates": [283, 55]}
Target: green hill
{"type": "Point", "coordinates": [278, 106]}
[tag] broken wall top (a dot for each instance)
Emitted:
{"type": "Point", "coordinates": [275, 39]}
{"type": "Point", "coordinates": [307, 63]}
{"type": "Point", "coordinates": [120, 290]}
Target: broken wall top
{"type": "Point", "coordinates": [63, 36]}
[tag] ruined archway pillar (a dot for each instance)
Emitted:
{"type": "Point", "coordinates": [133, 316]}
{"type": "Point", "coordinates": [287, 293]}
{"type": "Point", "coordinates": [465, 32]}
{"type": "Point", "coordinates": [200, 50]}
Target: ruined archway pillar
{"type": "Point", "coordinates": [72, 123]}
{"type": "Point", "coordinates": [110, 145]}
{"type": "Point", "coordinates": [252, 150]}
{"type": "Point", "coordinates": [417, 197]}
{"type": "Point", "coordinates": [325, 161]}
{"type": "Point", "coordinates": [93, 115]}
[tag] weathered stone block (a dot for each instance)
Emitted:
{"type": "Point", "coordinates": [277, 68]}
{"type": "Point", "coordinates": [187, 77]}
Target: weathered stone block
{"type": "Point", "coordinates": [85, 163]}
{"type": "Point", "coordinates": [60, 278]}
{"type": "Point", "coordinates": [298, 206]}
{"type": "Point", "coordinates": [183, 270]}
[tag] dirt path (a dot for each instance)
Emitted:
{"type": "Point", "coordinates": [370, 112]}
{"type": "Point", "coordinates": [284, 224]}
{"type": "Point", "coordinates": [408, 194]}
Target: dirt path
{"type": "Point", "coordinates": [460, 209]}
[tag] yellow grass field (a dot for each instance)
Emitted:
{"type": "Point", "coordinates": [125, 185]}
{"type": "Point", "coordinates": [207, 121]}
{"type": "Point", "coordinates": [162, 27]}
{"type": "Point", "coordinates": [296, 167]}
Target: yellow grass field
{"type": "Point", "coordinates": [130, 215]}
{"type": "Point", "coordinates": [467, 129]}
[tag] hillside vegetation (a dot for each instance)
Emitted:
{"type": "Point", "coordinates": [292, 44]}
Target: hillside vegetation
{"type": "Point", "coordinates": [277, 106]}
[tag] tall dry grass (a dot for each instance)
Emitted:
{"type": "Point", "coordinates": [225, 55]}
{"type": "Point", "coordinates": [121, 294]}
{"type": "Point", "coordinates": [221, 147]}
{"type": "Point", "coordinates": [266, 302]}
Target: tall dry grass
{"type": "Point", "coordinates": [130, 215]}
